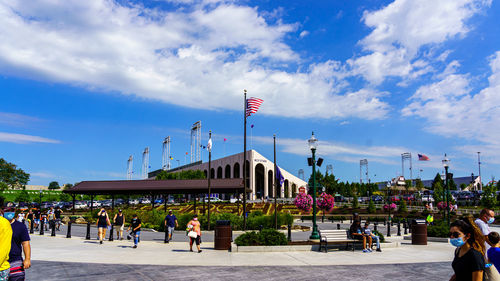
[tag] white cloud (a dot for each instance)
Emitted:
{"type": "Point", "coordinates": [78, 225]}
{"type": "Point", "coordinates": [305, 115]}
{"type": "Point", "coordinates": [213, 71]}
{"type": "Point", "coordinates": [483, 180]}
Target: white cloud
{"type": "Point", "coordinates": [20, 138]}
{"type": "Point", "coordinates": [450, 109]}
{"type": "Point", "coordinates": [16, 120]}
{"type": "Point", "coordinates": [304, 34]}
{"type": "Point", "coordinates": [402, 28]}
{"type": "Point", "coordinates": [44, 175]}
{"type": "Point", "coordinates": [199, 56]}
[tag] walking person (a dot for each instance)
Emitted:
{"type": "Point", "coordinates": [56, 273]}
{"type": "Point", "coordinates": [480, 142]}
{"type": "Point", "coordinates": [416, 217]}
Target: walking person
{"type": "Point", "coordinates": [194, 233]}
{"type": "Point", "coordinates": [102, 224]}
{"type": "Point", "coordinates": [469, 262]}
{"type": "Point", "coordinates": [5, 242]}
{"type": "Point", "coordinates": [119, 223]}
{"type": "Point", "coordinates": [37, 215]}
{"type": "Point", "coordinates": [44, 219]}
{"type": "Point", "coordinates": [486, 217]}
{"type": "Point", "coordinates": [30, 217]}
{"type": "Point", "coordinates": [20, 244]}
{"type": "Point", "coordinates": [57, 215]}
{"type": "Point", "coordinates": [170, 224]}
{"type": "Point", "coordinates": [135, 225]}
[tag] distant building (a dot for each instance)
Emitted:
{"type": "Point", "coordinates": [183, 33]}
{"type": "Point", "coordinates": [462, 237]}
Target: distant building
{"type": "Point", "coordinates": [260, 174]}
{"type": "Point", "coordinates": [36, 187]}
{"type": "Point", "coordinates": [472, 182]}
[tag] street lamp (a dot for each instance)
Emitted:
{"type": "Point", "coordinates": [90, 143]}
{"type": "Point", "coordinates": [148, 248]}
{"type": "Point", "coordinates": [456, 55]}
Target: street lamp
{"type": "Point", "coordinates": [446, 162]}
{"type": "Point", "coordinates": [40, 206]}
{"type": "Point", "coordinates": [313, 143]}
{"type": "Point", "coordinates": [389, 203]}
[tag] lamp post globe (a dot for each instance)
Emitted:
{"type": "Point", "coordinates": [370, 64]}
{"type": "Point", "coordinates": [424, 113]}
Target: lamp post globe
{"type": "Point", "coordinates": [313, 143]}
{"type": "Point", "coordinates": [446, 165]}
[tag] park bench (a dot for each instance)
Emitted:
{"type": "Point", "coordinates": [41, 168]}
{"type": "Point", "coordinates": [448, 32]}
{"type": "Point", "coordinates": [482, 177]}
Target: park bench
{"type": "Point", "coordinates": [336, 236]}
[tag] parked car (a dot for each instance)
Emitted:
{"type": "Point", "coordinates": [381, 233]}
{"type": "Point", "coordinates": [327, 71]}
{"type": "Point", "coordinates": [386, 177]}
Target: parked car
{"type": "Point", "coordinates": [377, 198]}
{"type": "Point", "coordinates": [145, 201]}
{"type": "Point", "coordinates": [395, 198]}
{"type": "Point", "coordinates": [81, 205]}
{"type": "Point", "coordinates": [134, 201]}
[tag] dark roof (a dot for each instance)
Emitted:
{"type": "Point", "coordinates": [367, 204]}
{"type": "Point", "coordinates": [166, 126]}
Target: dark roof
{"type": "Point", "coordinates": [158, 186]}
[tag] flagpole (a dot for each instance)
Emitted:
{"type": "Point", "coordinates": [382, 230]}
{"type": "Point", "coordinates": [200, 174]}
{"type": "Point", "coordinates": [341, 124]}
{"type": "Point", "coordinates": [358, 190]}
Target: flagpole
{"type": "Point", "coordinates": [209, 176]}
{"type": "Point", "coordinates": [245, 161]}
{"type": "Point", "coordinates": [275, 191]}
{"type": "Point", "coordinates": [251, 137]}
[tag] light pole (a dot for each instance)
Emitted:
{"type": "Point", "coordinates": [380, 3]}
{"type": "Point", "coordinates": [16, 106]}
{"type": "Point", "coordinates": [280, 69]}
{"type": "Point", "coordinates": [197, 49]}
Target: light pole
{"type": "Point", "coordinates": [389, 204]}
{"type": "Point", "coordinates": [313, 143]}
{"type": "Point", "coordinates": [446, 162]}
{"type": "Point", "coordinates": [40, 206]}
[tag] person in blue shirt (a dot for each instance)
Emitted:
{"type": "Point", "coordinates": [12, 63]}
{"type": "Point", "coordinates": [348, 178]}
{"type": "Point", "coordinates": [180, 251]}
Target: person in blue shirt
{"type": "Point", "coordinates": [357, 233]}
{"type": "Point", "coordinates": [170, 224]}
{"type": "Point", "coordinates": [494, 251]}
{"type": "Point", "coordinates": [20, 243]}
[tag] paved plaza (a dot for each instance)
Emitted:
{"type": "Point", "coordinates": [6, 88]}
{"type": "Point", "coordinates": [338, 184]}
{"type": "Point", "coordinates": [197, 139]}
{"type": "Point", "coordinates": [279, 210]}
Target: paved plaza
{"type": "Point", "coordinates": [60, 258]}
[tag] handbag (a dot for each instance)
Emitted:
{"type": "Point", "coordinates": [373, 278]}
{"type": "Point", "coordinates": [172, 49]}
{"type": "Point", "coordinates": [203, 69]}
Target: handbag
{"type": "Point", "coordinates": [192, 234]}
{"type": "Point", "coordinates": [491, 274]}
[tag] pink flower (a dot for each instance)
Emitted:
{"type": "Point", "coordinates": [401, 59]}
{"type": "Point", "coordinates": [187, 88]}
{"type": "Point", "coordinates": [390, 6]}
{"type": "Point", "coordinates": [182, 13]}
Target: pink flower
{"type": "Point", "coordinates": [303, 202]}
{"type": "Point", "coordinates": [325, 202]}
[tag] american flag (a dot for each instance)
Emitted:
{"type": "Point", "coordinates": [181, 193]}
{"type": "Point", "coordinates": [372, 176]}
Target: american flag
{"type": "Point", "coordinates": [253, 105]}
{"type": "Point", "coordinates": [422, 157]}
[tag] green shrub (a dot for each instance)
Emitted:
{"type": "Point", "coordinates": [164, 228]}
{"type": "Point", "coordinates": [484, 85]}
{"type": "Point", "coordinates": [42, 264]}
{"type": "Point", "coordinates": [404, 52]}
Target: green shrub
{"type": "Point", "coordinates": [440, 229]}
{"type": "Point", "coordinates": [272, 237]}
{"type": "Point", "coordinates": [355, 203]}
{"type": "Point", "coordinates": [267, 237]}
{"type": "Point", "coordinates": [371, 207]}
{"type": "Point", "coordinates": [402, 207]}
{"type": "Point", "coordinates": [247, 239]}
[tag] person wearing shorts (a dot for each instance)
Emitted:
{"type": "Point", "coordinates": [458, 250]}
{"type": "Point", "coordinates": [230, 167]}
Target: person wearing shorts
{"type": "Point", "coordinates": [170, 224]}
{"type": "Point", "coordinates": [37, 218]}
{"type": "Point", "coordinates": [5, 243]}
{"type": "Point", "coordinates": [102, 224]}
{"type": "Point", "coordinates": [119, 222]}
{"type": "Point", "coordinates": [57, 214]}
{"type": "Point", "coordinates": [194, 225]}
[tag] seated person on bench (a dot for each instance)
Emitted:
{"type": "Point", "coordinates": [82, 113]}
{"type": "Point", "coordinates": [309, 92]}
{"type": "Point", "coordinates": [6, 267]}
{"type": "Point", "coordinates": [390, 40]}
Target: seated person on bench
{"type": "Point", "coordinates": [357, 233]}
{"type": "Point", "coordinates": [367, 231]}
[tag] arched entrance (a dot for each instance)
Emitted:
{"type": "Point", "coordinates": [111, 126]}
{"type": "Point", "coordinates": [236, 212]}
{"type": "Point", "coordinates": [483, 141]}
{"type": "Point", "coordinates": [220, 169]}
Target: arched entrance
{"type": "Point", "coordinates": [236, 171]}
{"type": "Point", "coordinates": [212, 173]}
{"type": "Point", "coordinates": [270, 186]}
{"type": "Point", "coordinates": [294, 190]}
{"type": "Point", "coordinates": [219, 173]}
{"type": "Point", "coordinates": [227, 172]}
{"type": "Point", "coordinates": [286, 189]}
{"type": "Point", "coordinates": [259, 181]}
{"type": "Point", "coordinates": [206, 173]}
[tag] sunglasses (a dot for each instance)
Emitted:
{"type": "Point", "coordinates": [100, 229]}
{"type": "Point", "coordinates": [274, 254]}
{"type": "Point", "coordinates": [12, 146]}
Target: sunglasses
{"type": "Point", "coordinates": [454, 234]}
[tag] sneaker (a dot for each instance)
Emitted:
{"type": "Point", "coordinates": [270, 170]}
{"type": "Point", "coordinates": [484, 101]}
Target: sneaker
{"type": "Point", "coordinates": [199, 251]}
{"type": "Point", "coordinates": [370, 250]}
{"type": "Point", "coordinates": [379, 250]}
{"type": "Point", "coordinates": [100, 242]}
{"type": "Point", "coordinates": [135, 246]}
{"type": "Point", "coordinates": [191, 250]}
{"type": "Point", "coordinates": [365, 251]}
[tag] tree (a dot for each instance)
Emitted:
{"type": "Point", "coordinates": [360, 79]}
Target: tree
{"type": "Point", "coordinates": [437, 180]}
{"type": "Point", "coordinates": [23, 196]}
{"type": "Point", "coordinates": [489, 198]}
{"type": "Point", "coordinates": [67, 186]}
{"type": "Point", "coordinates": [419, 184]}
{"type": "Point", "coordinates": [371, 207]}
{"type": "Point", "coordinates": [54, 185]}
{"type": "Point", "coordinates": [11, 176]}
{"type": "Point", "coordinates": [319, 180]}
{"type": "Point", "coordinates": [452, 184]}
{"type": "Point", "coordinates": [183, 175]}
{"type": "Point", "coordinates": [438, 192]}
{"type": "Point", "coordinates": [463, 186]}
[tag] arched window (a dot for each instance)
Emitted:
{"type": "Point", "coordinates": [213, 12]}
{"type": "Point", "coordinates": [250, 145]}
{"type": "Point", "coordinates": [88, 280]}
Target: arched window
{"type": "Point", "coordinates": [227, 172]}
{"type": "Point", "coordinates": [212, 173]}
{"type": "Point", "coordinates": [219, 173]}
{"type": "Point", "coordinates": [286, 189]}
{"type": "Point", "coordinates": [236, 170]}
{"type": "Point", "coordinates": [206, 173]}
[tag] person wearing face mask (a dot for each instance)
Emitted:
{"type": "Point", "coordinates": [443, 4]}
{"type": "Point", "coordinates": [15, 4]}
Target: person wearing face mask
{"type": "Point", "coordinates": [486, 217]}
{"type": "Point", "coordinates": [5, 243]}
{"type": "Point", "coordinates": [469, 262]}
{"type": "Point", "coordinates": [20, 243]}
{"type": "Point", "coordinates": [195, 226]}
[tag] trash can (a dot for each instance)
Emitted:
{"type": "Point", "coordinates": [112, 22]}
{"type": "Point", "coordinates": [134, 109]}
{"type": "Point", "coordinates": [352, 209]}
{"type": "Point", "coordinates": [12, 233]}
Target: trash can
{"type": "Point", "coordinates": [418, 232]}
{"type": "Point", "coordinates": [223, 235]}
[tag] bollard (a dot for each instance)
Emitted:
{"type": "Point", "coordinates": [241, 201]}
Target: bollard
{"type": "Point", "coordinates": [52, 224]}
{"type": "Point", "coordinates": [68, 235]}
{"type": "Point", "coordinates": [41, 227]}
{"type": "Point", "coordinates": [384, 221]}
{"type": "Point", "coordinates": [338, 225]}
{"type": "Point", "coordinates": [302, 218]}
{"type": "Point", "coordinates": [405, 225]}
{"type": "Point", "coordinates": [31, 226]}
{"type": "Point", "coordinates": [166, 235]}
{"type": "Point", "coordinates": [289, 232]}
{"type": "Point", "coordinates": [409, 226]}
{"type": "Point", "coordinates": [87, 237]}
{"type": "Point", "coordinates": [323, 219]}
{"type": "Point", "coordinates": [399, 229]}
{"type": "Point", "coordinates": [111, 233]}
{"type": "Point", "coordinates": [388, 230]}
{"type": "Point", "coordinates": [375, 226]}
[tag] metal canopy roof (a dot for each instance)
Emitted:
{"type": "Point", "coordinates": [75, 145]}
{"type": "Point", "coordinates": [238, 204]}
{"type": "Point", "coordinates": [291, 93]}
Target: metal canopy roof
{"type": "Point", "coordinates": [158, 186]}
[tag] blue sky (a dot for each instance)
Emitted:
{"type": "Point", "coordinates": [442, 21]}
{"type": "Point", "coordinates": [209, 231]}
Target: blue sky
{"type": "Point", "coordinates": [85, 84]}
